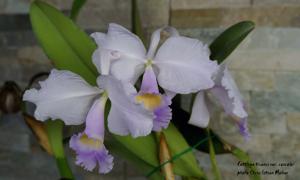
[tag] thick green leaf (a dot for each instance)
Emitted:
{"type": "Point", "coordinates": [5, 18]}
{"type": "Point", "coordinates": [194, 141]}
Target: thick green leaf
{"type": "Point", "coordinates": [225, 43]}
{"type": "Point", "coordinates": [187, 164]}
{"type": "Point", "coordinates": [144, 147]}
{"type": "Point", "coordinates": [121, 150]}
{"type": "Point", "coordinates": [54, 131]}
{"type": "Point", "coordinates": [76, 7]}
{"type": "Point", "coordinates": [64, 43]}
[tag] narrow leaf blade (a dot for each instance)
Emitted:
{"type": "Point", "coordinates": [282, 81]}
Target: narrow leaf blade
{"type": "Point", "coordinates": [64, 43]}
{"type": "Point", "coordinates": [76, 7]}
{"type": "Point", "coordinates": [225, 43]}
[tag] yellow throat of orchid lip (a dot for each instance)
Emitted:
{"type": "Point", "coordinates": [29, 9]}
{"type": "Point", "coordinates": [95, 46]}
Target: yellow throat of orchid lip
{"type": "Point", "coordinates": [150, 101]}
{"type": "Point", "coordinates": [91, 142]}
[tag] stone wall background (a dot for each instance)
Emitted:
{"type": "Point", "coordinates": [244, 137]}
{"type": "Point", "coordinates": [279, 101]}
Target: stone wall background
{"type": "Point", "coordinates": [266, 67]}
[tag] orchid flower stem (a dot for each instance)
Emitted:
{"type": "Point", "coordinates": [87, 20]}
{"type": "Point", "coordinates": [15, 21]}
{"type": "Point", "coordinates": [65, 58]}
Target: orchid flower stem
{"type": "Point", "coordinates": [165, 155]}
{"type": "Point", "coordinates": [54, 130]}
{"type": "Point", "coordinates": [212, 156]}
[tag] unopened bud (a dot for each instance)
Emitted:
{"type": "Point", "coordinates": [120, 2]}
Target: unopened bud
{"type": "Point", "coordinates": [10, 97]}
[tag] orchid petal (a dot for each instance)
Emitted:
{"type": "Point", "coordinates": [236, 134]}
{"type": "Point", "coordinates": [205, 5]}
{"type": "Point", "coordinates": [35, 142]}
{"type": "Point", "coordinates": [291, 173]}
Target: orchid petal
{"type": "Point", "coordinates": [184, 65]}
{"type": "Point", "coordinates": [163, 115]}
{"type": "Point", "coordinates": [88, 145]}
{"type": "Point", "coordinates": [122, 53]}
{"type": "Point", "coordinates": [95, 119]}
{"type": "Point", "coordinates": [64, 95]}
{"type": "Point", "coordinates": [228, 94]}
{"type": "Point", "coordinates": [126, 116]}
{"type": "Point", "coordinates": [200, 113]}
{"type": "Point", "coordinates": [120, 39]}
{"type": "Point", "coordinates": [90, 152]}
{"type": "Point", "coordinates": [102, 58]}
{"type": "Point", "coordinates": [243, 128]}
{"type": "Point", "coordinates": [149, 83]}
{"type": "Point", "coordinates": [155, 39]}
{"type": "Point", "coordinates": [127, 69]}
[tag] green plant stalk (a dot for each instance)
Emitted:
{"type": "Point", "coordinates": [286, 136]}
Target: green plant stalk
{"type": "Point", "coordinates": [212, 156]}
{"type": "Point", "coordinates": [136, 23]}
{"type": "Point", "coordinates": [54, 131]}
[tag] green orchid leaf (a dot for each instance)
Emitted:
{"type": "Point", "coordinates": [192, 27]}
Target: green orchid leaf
{"type": "Point", "coordinates": [226, 42]}
{"type": "Point", "coordinates": [54, 131]}
{"type": "Point", "coordinates": [187, 164]}
{"type": "Point", "coordinates": [143, 147]}
{"type": "Point", "coordinates": [76, 7]}
{"type": "Point", "coordinates": [64, 43]}
{"type": "Point", "coordinates": [121, 150]}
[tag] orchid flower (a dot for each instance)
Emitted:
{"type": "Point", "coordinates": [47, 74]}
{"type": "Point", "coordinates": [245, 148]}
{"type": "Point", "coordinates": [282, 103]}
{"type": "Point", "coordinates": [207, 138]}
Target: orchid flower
{"type": "Point", "coordinates": [226, 92]}
{"type": "Point", "coordinates": [65, 95]}
{"type": "Point", "coordinates": [180, 65]}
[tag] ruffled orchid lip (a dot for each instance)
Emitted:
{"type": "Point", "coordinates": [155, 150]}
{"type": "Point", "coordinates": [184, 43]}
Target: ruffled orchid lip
{"type": "Point", "coordinates": [90, 153]}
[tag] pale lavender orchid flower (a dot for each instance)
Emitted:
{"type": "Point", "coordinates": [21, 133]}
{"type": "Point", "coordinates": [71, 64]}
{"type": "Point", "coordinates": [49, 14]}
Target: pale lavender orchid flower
{"type": "Point", "coordinates": [181, 64]}
{"type": "Point", "coordinates": [228, 94]}
{"type": "Point", "coordinates": [66, 96]}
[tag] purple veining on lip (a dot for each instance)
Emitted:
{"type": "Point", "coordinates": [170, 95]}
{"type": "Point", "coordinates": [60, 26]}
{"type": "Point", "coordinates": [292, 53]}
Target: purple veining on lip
{"type": "Point", "coordinates": [163, 115]}
{"type": "Point", "coordinates": [89, 157]}
{"type": "Point", "coordinates": [243, 128]}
